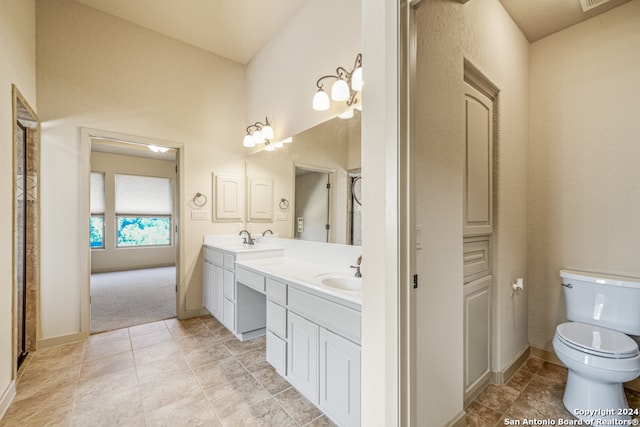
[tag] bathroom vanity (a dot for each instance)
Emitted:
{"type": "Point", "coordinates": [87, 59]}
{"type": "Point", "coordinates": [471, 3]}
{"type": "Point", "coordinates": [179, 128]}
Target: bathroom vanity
{"type": "Point", "coordinates": [307, 301]}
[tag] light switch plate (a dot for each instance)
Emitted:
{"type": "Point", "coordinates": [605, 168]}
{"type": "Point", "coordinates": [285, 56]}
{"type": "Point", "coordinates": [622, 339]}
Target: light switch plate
{"type": "Point", "coordinates": [200, 215]}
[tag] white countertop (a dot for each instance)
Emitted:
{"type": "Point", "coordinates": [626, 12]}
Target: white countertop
{"type": "Point", "coordinates": [304, 275]}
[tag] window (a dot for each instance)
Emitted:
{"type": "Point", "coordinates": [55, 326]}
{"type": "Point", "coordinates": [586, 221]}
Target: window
{"type": "Point", "coordinates": [97, 210]}
{"type": "Point", "coordinates": [143, 211]}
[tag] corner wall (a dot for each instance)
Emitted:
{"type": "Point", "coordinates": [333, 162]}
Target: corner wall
{"type": "Point", "coordinates": [100, 72]}
{"type": "Point", "coordinates": [448, 33]}
{"type": "Point", "coordinates": [584, 157]}
{"type": "Point", "coordinates": [18, 66]}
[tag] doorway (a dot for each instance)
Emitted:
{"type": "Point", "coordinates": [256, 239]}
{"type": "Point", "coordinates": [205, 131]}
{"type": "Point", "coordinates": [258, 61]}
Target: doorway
{"type": "Point", "coordinates": [134, 238]}
{"type": "Point", "coordinates": [312, 197]}
{"type": "Point", "coordinates": [26, 248]}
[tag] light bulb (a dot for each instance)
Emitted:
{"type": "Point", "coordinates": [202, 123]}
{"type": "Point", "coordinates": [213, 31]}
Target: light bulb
{"type": "Point", "coordinates": [257, 137]}
{"type": "Point", "coordinates": [269, 147]}
{"type": "Point", "coordinates": [321, 100]}
{"type": "Point", "coordinates": [267, 132]}
{"type": "Point", "coordinates": [248, 141]}
{"type": "Point", "coordinates": [356, 79]}
{"type": "Point", "coordinates": [340, 90]}
{"type": "Point", "coordinates": [279, 144]}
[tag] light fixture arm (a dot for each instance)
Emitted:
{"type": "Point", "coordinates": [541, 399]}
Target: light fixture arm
{"type": "Point", "coordinates": [345, 75]}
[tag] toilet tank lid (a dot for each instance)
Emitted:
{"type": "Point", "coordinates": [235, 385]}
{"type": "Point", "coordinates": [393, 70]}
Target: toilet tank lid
{"type": "Point", "coordinates": [601, 278]}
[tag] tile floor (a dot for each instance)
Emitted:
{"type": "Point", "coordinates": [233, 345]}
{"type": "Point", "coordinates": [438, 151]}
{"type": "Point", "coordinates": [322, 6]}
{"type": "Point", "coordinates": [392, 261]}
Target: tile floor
{"type": "Point", "coordinates": [534, 393]}
{"type": "Point", "coordinates": [168, 373]}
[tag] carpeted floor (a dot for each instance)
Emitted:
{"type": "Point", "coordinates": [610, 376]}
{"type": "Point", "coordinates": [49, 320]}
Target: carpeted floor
{"type": "Point", "coordinates": [128, 298]}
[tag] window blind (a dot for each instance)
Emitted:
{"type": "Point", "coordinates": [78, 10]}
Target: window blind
{"type": "Point", "coordinates": [97, 193]}
{"type": "Point", "coordinates": [142, 195]}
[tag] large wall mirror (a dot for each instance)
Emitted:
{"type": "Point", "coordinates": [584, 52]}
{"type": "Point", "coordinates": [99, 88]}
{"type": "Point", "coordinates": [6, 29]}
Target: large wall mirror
{"type": "Point", "coordinates": [312, 182]}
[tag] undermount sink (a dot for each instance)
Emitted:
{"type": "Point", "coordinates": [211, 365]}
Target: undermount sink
{"type": "Point", "coordinates": [345, 283]}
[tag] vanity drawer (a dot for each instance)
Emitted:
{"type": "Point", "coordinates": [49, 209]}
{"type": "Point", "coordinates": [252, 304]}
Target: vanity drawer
{"type": "Point", "coordinates": [277, 319]}
{"type": "Point", "coordinates": [335, 317]}
{"type": "Point", "coordinates": [229, 261]}
{"type": "Point", "coordinates": [212, 256]}
{"type": "Point", "coordinates": [277, 353]}
{"type": "Point", "coordinates": [277, 291]}
{"type": "Point", "coordinates": [477, 258]}
{"type": "Point", "coordinates": [250, 279]}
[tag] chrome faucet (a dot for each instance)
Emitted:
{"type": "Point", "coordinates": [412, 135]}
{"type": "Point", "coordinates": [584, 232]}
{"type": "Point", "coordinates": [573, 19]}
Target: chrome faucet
{"type": "Point", "coordinates": [264, 233]}
{"type": "Point", "coordinates": [246, 240]}
{"type": "Point", "coordinates": [357, 267]}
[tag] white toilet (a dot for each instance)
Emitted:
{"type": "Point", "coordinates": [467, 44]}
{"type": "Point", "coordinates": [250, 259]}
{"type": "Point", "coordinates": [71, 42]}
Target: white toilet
{"type": "Point", "coordinates": [594, 345]}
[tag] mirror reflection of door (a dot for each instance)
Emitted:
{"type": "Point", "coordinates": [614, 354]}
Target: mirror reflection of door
{"type": "Point", "coordinates": [355, 208]}
{"type": "Point", "coordinates": [312, 205]}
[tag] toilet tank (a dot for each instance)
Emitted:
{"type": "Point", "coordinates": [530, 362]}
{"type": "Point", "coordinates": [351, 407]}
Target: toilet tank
{"type": "Point", "coordinates": [609, 301]}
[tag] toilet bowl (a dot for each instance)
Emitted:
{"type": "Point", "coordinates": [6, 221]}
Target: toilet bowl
{"type": "Point", "coordinates": [599, 360]}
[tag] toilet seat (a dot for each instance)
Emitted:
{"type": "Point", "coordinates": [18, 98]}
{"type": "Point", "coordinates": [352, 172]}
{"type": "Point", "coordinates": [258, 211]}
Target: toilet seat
{"type": "Point", "coordinates": [597, 341]}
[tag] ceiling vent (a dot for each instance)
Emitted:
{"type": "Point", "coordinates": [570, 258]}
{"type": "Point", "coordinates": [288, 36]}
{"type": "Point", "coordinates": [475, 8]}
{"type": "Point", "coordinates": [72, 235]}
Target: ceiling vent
{"type": "Point", "coordinates": [590, 4]}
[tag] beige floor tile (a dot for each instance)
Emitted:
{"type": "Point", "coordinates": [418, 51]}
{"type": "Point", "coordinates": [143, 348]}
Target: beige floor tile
{"type": "Point", "coordinates": [498, 397]}
{"type": "Point", "coordinates": [187, 412]}
{"type": "Point", "coordinates": [297, 406]}
{"type": "Point", "coordinates": [156, 353]}
{"type": "Point", "coordinates": [148, 328]}
{"type": "Point", "coordinates": [151, 338]}
{"type": "Point", "coordinates": [103, 348]}
{"type": "Point", "coordinates": [209, 353]}
{"type": "Point", "coordinates": [481, 416]}
{"type": "Point", "coordinates": [322, 421]}
{"type": "Point", "coordinates": [267, 413]}
{"type": "Point", "coordinates": [169, 389]}
{"type": "Point", "coordinates": [271, 380]}
{"type": "Point", "coordinates": [218, 374]}
{"type": "Point", "coordinates": [93, 368]}
{"type": "Point", "coordinates": [93, 389]}
{"type": "Point", "coordinates": [254, 360]}
{"type": "Point", "coordinates": [113, 408]}
{"type": "Point", "coordinates": [240, 391]}
{"type": "Point", "coordinates": [520, 379]}
{"type": "Point", "coordinates": [236, 346]}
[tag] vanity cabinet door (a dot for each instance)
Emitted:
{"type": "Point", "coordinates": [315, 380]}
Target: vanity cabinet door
{"type": "Point", "coordinates": [276, 353]}
{"type": "Point", "coordinates": [229, 314]}
{"type": "Point", "coordinates": [217, 279]}
{"type": "Point", "coordinates": [302, 355]}
{"type": "Point", "coordinates": [339, 378]}
{"type": "Point", "coordinates": [207, 285]}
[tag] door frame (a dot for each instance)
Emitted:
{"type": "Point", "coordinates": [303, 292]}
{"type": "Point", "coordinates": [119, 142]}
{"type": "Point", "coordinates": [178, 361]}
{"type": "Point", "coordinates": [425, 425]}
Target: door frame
{"type": "Point", "coordinates": [332, 182]}
{"type": "Point", "coordinates": [86, 135]}
{"type": "Point", "coordinates": [25, 115]}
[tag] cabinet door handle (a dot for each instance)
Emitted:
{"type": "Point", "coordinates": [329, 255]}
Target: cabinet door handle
{"type": "Point", "coordinates": [568, 285]}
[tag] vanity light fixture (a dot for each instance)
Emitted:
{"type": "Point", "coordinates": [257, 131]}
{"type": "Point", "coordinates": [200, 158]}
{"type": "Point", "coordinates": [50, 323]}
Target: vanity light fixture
{"type": "Point", "coordinates": [258, 133]}
{"type": "Point", "coordinates": [346, 86]}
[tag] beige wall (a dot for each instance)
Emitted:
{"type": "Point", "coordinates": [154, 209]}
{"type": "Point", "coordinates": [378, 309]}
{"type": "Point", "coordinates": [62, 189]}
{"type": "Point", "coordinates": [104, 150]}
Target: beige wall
{"type": "Point", "coordinates": [281, 79]}
{"type": "Point", "coordinates": [117, 259]}
{"type": "Point", "coordinates": [483, 33]}
{"type": "Point", "coordinates": [584, 157]}
{"type": "Point", "coordinates": [98, 71]}
{"type": "Point", "coordinates": [18, 66]}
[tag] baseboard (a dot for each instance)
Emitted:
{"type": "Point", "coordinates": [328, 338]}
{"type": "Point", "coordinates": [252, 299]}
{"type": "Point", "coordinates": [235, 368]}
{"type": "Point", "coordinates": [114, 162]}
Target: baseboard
{"type": "Point", "coordinates": [7, 398]}
{"type": "Point", "coordinates": [459, 421]}
{"type": "Point", "coordinates": [503, 377]}
{"type": "Point", "coordinates": [188, 314]}
{"type": "Point", "coordinates": [63, 339]}
{"type": "Point", "coordinates": [546, 355]}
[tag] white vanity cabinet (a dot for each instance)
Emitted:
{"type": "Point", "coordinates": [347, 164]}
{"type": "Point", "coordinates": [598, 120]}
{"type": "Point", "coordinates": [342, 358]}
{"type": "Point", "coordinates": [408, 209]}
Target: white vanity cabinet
{"type": "Point", "coordinates": [314, 343]}
{"type": "Point", "coordinates": [213, 278]}
{"type": "Point", "coordinates": [236, 297]}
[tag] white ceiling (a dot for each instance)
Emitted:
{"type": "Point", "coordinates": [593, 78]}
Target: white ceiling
{"type": "Point", "coordinates": [540, 18]}
{"type": "Point", "coordinates": [237, 29]}
{"type": "Point", "coordinates": [234, 29]}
